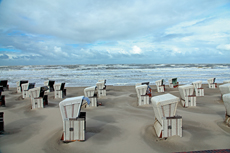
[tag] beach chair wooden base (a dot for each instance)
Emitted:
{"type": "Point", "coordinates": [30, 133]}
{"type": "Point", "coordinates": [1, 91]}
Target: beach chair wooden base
{"type": "Point", "coordinates": [74, 129]}
{"type": "Point", "coordinates": [212, 85]}
{"type": "Point", "coordinates": [59, 93]}
{"type": "Point", "coordinates": [171, 126]}
{"type": "Point", "coordinates": [199, 92]}
{"type": "Point", "coordinates": [173, 86]}
{"type": "Point", "coordinates": [19, 89]}
{"type": "Point", "coordinates": [160, 88]}
{"type": "Point", "coordinates": [143, 100]}
{"type": "Point", "coordinates": [25, 94]}
{"type": "Point", "coordinates": [93, 102]}
{"type": "Point", "coordinates": [101, 93]}
{"type": "Point", "coordinates": [189, 101]}
{"type": "Point", "coordinates": [37, 103]}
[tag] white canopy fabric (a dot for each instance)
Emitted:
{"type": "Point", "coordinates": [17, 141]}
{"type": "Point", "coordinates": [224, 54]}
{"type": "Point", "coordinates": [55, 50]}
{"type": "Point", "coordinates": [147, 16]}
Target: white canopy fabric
{"type": "Point", "coordinates": [35, 92]}
{"type": "Point", "coordinates": [186, 90]}
{"type": "Point", "coordinates": [159, 82]}
{"type": "Point", "coordinates": [211, 80]}
{"type": "Point", "coordinates": [197, 84]}
{"type": "Point", "coordinates": [57, 86]}
{"type": "Point", "coordinates": [71, 107]}
{"type": "Point", "coordinates": [164, 106]}
{"type": "Point", "coordinates": [25, 86]}
{"type": "Point", "coordinates": [226, 99]}
{"type": "Point", "coordinates": [141, 90]}
{"type": "Point", "coordinates": [225, 88]}
{"type": "Point", "coordinates": [100, 85]}
{"type": "Point", "coordinates": [89, 91]}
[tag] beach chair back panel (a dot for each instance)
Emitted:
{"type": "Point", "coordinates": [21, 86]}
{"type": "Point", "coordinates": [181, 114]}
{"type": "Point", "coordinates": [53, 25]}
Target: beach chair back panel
{"type": "Point", "coordinates": [35, 92]}
{"type": "Point", "coordinates": [25, 86]}
{"type": "Point", "coordinates": [57, 86]}
{"type": "Point", "coordinates": [172, 126]}
{"type": "Point", "coordinates": [225, 88]}
{"type": "Point", "coordinates": [197, 84]}
{"type": "Point", "coordinates": [186, 90]}
{"type": "Point", "coordinates": [141, 90]}
{"type": "Point", "coordinates": [100, 85]}
{"type": "Point", "coordinates": [72, 110]}
{"type": "Point", "coordinates": [211, 80]}
{"type": "Point", "coordinates": [159, 82]}
{"type": "Point", "coordinates": [89, 92]}
{"type": "Point", "coordinates": [226, 99]}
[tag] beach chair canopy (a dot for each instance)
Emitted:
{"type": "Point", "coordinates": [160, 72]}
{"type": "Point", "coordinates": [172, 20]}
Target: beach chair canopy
{"type": "Point", "coordinates": [186, 90]}
{"type": "Point", "coordinates": [38, 91]}
{"type": "Point", "coordinates": [197, 84]}
{"type": "Point", "coordinates": [211, 80]}
{"type": "Point", "coordinates": [90, 91]}
{"type": "Point", "coordinates": [173, 81]}
{"type": "Point", "coordinates": [100, 85]}
{"type": "Point", "coordinates": [226, 99]}
{"type": "Point", "coordinates": [19, 83]}
{"type": "Point", "coordinates": [164, 106]}
{"type": "Point", "coordinates": [71, 107]}
{"type": "Point", "coordinates": [141, 90]}
{"type": "Point", "coordinates": [225, 88]}
{"type": "Point", "coordinates": [160, 82]}
{"type": "Point", "coordinates": [59, 86]}
{"type": "Point", "coordinates": [49, 83]}
{"type": "Point", "coordinates": [143, 83]}
{"type": "Point", "coordinates": [3, 83]}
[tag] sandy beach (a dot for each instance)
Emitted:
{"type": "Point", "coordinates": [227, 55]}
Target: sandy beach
{"type": "Point", "coordinates": [119, 125]}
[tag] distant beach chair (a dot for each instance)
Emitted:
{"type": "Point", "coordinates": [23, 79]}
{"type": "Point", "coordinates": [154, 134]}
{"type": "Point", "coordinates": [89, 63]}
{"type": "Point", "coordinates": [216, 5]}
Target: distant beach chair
{"type": "Point", "coordinates": [101, 88]}
{"type": "Point", "coordinates": [25, 89]}
{"type": "Point", "coordinates": [4, 84]}
{"type": "Point", "coordinates": [90, 92]}
{"type": "Point", "coordinates": [19, 85]}
{"type": "Point", "coordinates": [50, 85]}
{"type": "Point", "coordinates": [160, 85]}
{"type": "Point", "coordinates": [226, 99]}
{"type": "Point", "coordinates": [38, 97]}
{"type": "Point", "coordinates": [59, 91]}
{"type": "Point", "coordinates": [224, 89]}
{"type": "Point", "coordinates": [211, 83]}
{"type": "Point", "coordinates": [187, 95]}
{"type": "Point", "coordinates": [166, 122]}
{"type": "Point", "coordinates": [173, 83]}
{"type": "Point", "coordinates": [198, 88]}
{"type": "Point", "coordinates": [2, 98]}
{"type": "Point", "coordinates": [142, 94]}
{"type": "Point", "coordinates": [74, 123]}
{"type": "Point", "coordinates": [226, 81]}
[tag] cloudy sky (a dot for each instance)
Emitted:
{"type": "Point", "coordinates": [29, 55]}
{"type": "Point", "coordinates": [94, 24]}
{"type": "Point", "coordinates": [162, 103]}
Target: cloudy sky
{"type": "Point", "coordinates": [43, 32]}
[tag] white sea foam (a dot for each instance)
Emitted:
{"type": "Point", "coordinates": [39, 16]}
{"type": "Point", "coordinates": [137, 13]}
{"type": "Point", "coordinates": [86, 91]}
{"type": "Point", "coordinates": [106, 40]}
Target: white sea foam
{"type": "Point", "coordinates": [117, 74]}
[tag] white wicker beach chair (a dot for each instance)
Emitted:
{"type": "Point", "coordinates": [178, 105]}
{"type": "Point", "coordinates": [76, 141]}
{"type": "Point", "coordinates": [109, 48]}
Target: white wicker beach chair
{"type": "Point", "coordinates": [187, 95]}
{"type": "Point", "coordinates": [59, 91]}
{"type": "Point", "coordinates": [211, 83]}
{"type": "Point", "coordinates": [142, 94]}
{"type": "Point", "coordinates": [166, 122]}
{"type": "Point", "coordinates": [38, 98]}
{"type": "Point", "coordinates": [160, 85]}
{"type": "Point", "coordinates": [226, 99]}
{"type": "Point", "coordinates": [74, 123]}
{"type": "Point", "coordinates": [198, 88]}
{"type": "Point", "coordinates": [90, 92]}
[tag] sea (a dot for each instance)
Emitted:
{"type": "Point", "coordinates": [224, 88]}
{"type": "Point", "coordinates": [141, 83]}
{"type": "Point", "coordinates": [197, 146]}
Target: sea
{"type": "Point", "coordinates": [114, 74]}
